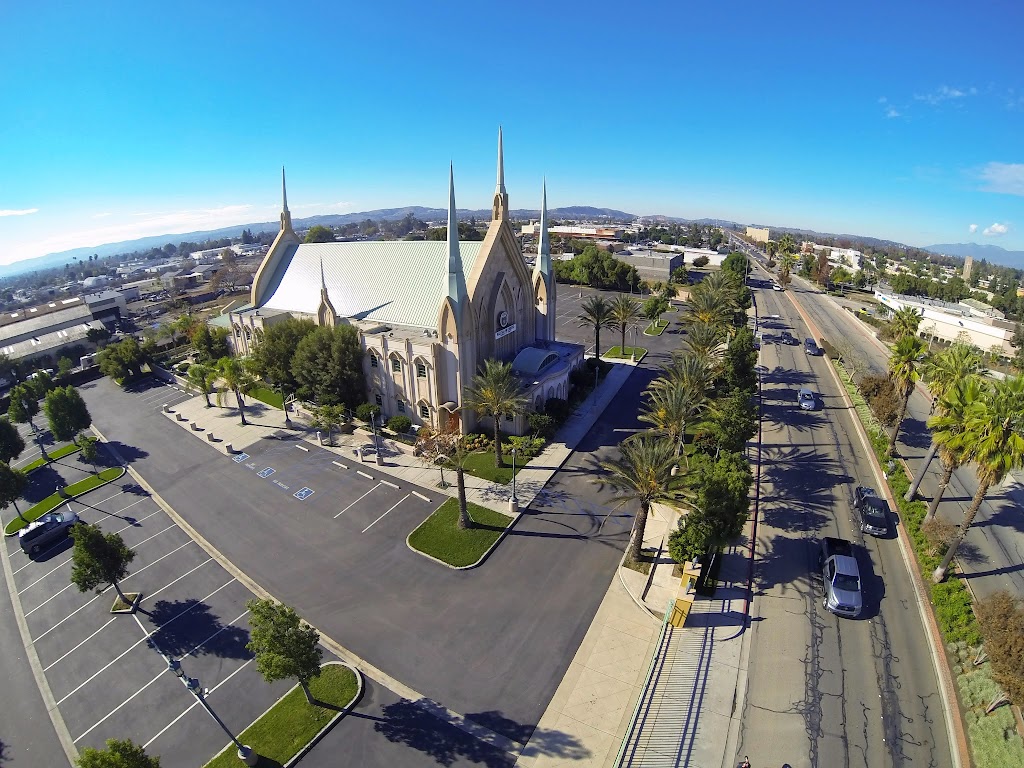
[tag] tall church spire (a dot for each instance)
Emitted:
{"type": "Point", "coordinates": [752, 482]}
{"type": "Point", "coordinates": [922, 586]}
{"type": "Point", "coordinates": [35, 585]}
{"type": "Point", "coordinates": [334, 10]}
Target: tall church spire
{"type": "Point", "coordinates": [499, 211]}
{"type": "Point", "coordinates": [286, 216]}
{"type": "Point", "coordinates": [326, 316]}
{"type": "Point", "coordinates": [543, 241]}
{"type": "Point", "coordinates": [455, 277]}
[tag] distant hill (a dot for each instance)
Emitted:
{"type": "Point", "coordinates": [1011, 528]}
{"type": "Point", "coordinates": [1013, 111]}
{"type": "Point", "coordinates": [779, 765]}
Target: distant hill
{"type": "Point", "coordinates": [993, 254]}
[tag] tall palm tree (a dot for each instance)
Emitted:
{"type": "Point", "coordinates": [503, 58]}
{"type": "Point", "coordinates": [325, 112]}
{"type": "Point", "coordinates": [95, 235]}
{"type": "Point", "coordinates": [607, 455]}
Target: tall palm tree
{"type": "Point", "coordinates": [597, 313]}
{"type": "Point", "coordinates": [625, 312]}
{"type": "Point", "coordinates": [237, 379]}
{"type": "Point", "coordinates": [688, 369]}
{"type": "Point", "coordinates": [993, 438]}
{"type": "Point", "coordinates": [786, 243]}
{"type": "Point", "coordinates": [941, 372]}
{"type": "Point", "coordinates": [709, 308]}
{"type": "Point", "coordinates": [496, 392]}
{"type": "Point", "coordinates": [947, 427]}
{"type": "Point", "coordinates": [786, 263]}
{"type": "Point", "coordinates": [202, 377]}
{"type": "Point", "coordinates": [904, 372]}
{"type": "Point", "coordinates": [643, 472]}
{"type": "Point", "coordinates": [670, 408]}
{"type": "Point", "coordinates": [705, 340]}
{"type": "Point", "coordinates": [905, 322]}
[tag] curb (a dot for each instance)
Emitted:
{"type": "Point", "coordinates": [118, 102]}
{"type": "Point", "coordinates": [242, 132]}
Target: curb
{"type": "Point", "coordinates": [64, 499]}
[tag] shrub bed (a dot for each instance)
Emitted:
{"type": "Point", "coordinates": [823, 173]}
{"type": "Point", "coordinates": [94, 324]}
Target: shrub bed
{"type": "Point", "coordinates": [60, 453]}
{"type": "Point", "coordinates": [54, 500]}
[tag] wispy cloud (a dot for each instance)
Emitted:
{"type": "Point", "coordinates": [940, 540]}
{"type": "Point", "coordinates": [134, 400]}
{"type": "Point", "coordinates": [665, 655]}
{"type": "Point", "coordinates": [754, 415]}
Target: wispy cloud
{"type": "Point", "coordinates": [888, 109]}
{"type": "Point", "coordinates": [996, 230]}
{"type": "Point", "coordinates": [973, 228]}
{"type": "Point", "coordinates": [101, 215]}
{"type": "Point", "coordinates": [18, 212]}
{"type": "Point", "coordinates": [944, 93]}
{"type": "Point", "coordinates": [1005, 178]}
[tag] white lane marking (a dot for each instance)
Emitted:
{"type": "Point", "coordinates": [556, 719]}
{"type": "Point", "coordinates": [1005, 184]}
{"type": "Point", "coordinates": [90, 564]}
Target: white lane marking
{"type": "Point", "coordinates": [360, 472]}
{"type": "Point", "coordinates": [382, 516]}
{"type": "Point", "coordinates": [357, 501]}
{"type": "Point", "coordinates": [385, 482]}
{"type": "Point", "coordinates": [420, 496]}
{"type": "Point", "coordinates": [302, 448]}
{"type": "Point", "coordinates": [123, 703]}
{"type": "Point", "coordinates": [339, 464]}
{"type": "Point", "coordinates": [51, 597]}
{"type": "Point", "coordinates": [68, 653]}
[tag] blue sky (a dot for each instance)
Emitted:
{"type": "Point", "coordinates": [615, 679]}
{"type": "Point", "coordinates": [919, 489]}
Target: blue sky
{"type": "Point", "coordinates": [901, 120]}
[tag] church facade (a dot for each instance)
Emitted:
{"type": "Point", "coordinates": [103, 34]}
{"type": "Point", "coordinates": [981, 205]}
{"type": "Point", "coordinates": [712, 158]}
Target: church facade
{"type": "Point", "coordinates": [428, 313]}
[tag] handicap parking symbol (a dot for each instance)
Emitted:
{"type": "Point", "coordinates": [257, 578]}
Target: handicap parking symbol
{"type": "Point", "coordinates": [240, 458]}
{"type": "Point", "coordinates": [303, 493]}
{"type": "Point", "coordinates": [266, 472]}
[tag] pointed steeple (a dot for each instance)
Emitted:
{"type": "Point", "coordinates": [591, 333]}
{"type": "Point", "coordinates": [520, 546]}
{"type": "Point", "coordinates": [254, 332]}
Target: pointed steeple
{"type": "Point", "coordinates": [499, 211]}
{"type": "Point", "coordinates": [326, 316]}
{"type": "Point", "coordinates": [286, 216]}
{"type": "Point", "coordinates": [454, 255]}
{"type": "Point", "coordinates": [323, 280]}
{"type": "Point", "coordinates": [543, 241]}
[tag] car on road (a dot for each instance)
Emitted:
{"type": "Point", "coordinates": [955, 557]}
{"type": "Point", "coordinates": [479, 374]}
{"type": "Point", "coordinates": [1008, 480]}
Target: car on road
{"type": "Point", "coordinates": [841, 577]}
{"type": "Point", "coordinates": [776, 287]}
{"type": "Point", "coordinates": [807, 400]}
{"type": "Point", "coordinates": [873, 510]}
{"type": "Point", "coordinates": [46, 530]}
{"type": "Point", "coordinates": [788, 339]}
{"type": "Point", "coordinates": [811, 347]}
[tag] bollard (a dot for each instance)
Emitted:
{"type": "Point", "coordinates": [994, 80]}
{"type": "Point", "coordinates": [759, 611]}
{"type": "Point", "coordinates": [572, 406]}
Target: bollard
{"type": "Point", "coordinates": [209, 436]}
{"type": "Point", "coordinates": [193, 426]}
{"type": "Point", "coordinates": [380, 459]}
{"type": "Point", "coordinates": [167, 408]}
{"type": "Point", "coordinates": [229, 448]}
{"type": "Point", "coordinates": [359, 455]}
{"type": "Point", "coordinates": [513, 506]}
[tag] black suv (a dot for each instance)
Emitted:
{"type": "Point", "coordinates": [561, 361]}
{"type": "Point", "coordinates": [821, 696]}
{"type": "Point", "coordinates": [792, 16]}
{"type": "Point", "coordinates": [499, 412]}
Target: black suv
{"type": "Point", "coordinates": [874, 511]}
{"type": "Point", "coordinates": [811, 347]}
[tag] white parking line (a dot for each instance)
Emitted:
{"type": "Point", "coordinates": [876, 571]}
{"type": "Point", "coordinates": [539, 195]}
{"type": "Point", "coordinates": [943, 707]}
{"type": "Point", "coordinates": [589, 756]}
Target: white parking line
{"type": "Point", "coordinates": [90, 637]}
{"type": "Point", "coordinates": [382, 516]}
{"type": "Point", "coordinates": [115, 709]}
{"type": "Point", "coordinates": [229, 624]}
{"type": "Point", "coordinates": [357, 501]}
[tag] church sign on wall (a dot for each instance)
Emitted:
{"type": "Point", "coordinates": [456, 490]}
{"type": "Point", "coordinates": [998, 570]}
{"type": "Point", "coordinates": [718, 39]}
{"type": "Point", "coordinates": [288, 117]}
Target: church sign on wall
{"type": "Point", "coordinates": [504, 328]}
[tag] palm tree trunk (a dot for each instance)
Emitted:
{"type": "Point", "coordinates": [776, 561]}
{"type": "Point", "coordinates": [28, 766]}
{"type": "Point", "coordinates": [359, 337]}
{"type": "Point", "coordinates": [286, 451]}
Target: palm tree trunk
{"type": "Point", "coordinates": [947, 473]}
{"type": "Point", "coordinates": [206, 395]}
{"type": "Point", "coordinates": [464, 520]}
{"type": "Point", "coordinates": [241, 406]}
{"type": "Point", "coordinates": [622, 346]}
{"type": "Point", "coordinates": [639, 525]}
{"type": "Point", "coordinates": [498, 461]}
{"type": "Point", "coordinates": [940, 572]}
{"type": "Point", "coordinates": [909, 495]}
{"type": "Point", "coordinates": [899, 423]}
{"type": "Point", "coordinates": [309, 694]}
{"type": "Point", "coordinates": [597, 341]}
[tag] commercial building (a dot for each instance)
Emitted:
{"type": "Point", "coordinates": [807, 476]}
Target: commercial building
{"type": "Point", "coordinates": [970, 321]}
{"type": "Point", "coordinates": [45, 333]}
{"type": "Point", "coordinates": [428, 313]}
{"type": "Point", "coordinates": [758, 235]}
{"type": "Point", "coordinates": [581, 232]}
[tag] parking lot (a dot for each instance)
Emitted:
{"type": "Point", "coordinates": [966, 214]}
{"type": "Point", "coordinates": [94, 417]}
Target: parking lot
{"type": "Point", "coordinates": [108, 673]}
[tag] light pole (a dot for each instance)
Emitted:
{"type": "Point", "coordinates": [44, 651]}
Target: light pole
{"type": "Point", "coordinates": [632, 348]}
{"type": "Point", "coordinates": [376, 444]}
{"type": "Point", "coordinates": [245, 753]}
{"type": "Point", "coordinates": [513, 503]}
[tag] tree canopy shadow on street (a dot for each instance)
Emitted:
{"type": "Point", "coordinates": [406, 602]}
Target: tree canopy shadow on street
{"type": "Point", "coordinates": [914, 434]}
{"type": "Point", "coordinates": [422, 726]}
{"type": "Point", "coordinates": [125, 453]}
{"type": "Point", "coordinates": [181, 625]}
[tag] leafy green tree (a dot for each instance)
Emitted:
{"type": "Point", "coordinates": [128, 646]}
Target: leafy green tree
{"type": "Point", "coordinates": [90, 449]}
{"type": "Point", "coordinates": [786, 244]}
{"type": "Point", "coordinates": [97, 335]}
{"type": "Point", "coordinates": [732, 421]}
{"type": "Point", "coordinates": [284, 645]}
{"type": "Point", "coordinates": [643, 473]}
{"type": "Point", "coordinates": [272, 358]}
{"type": "Point", "coordinates": [12, 485]}
{"type": "Point", "coordinates": [739, 362]}
{"type": "Point", "coordinates": [64, 367]}
{"type": "Point", "coordinates": [99, 559]}
{"type": "Point", "coordinates": [67, 413]}
{"type": "Point", "coordinates": [202, 377]}
{"type": "Point", "coordinates": [124, 359]}
{"type": "Point", "coordinates": [597, 314]}
{"type": "Point", "coordinates": [736, 262]}
{"type": "Point", "coordinates": [118, 754]}
{"type": "Point", "coordinates": [705, 341]}
{"type": "Point", "coordinates": [328, 418]}
{"type": "Point", "coordinates": [653, 308]}
{"type": "Point", "coordinates": [237, 379]}
{"type": "Point", "coordinates": [495, 392]}
{"type": "Point", "coordinates": [993, 439]}
{"type": "Point", "coordinates": [328, 367]}
{"type": "Point", "coordinates": [625, 313]}
{"type": "Point", "coordinates": [786, 263]}
{"type": "Point", "coordinates": [319, 234]}
{"type": "Point", "coordinates": [210, 344]}
{"type": "Point", "coordinates": [719, 491]}
{"type": "Point", "coordinates": [41, 383]}
{"type": "Point", "coordinates": [904, 371]}
{"type": "Point", "coordinates": [23, 405]}
{"type": "Point", "coordinates": [11, 443]}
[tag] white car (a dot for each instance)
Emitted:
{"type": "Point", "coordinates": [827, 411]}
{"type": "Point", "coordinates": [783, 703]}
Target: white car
{"type": "Point", "coordinates": [47, 529]}
{"type": "Point", "coordinates": [807, 400]}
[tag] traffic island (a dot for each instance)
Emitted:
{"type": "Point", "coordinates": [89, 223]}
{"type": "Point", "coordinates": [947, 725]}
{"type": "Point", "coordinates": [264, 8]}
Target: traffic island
{"type": "Point", "coordinates": [633, 354]}
{"type": "Point", "coordinates": [440, 538]}
{"type": "Point", "coordinates": [283, 734]}
{"type": "Point", "coordinates": [54, 500]}
{"type": "Point", "coordinates": [120, 606]}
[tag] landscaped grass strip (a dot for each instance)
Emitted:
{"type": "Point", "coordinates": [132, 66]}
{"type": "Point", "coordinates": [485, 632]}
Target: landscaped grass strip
{"type": "Point", "coordinates": [268, 396]}
{"type": "Point", "coordinates": [440, 537]}
{"type": "Point", "coordinates": [616, 353]}
{"type": "Point", "coordinates": [54, 500]}
{"type": "Point", "coordinates": [60, 453]}
{"type": "Point", "coordinates": [287, 727]}
{"type": "Point", "coordinates": [656, 330]}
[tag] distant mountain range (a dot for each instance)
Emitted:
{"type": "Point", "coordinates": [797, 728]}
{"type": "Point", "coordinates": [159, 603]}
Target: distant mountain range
{"type": "Point", "coordinates": [993, 254]}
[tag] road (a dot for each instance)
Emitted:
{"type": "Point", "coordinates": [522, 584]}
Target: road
{"type": "Point", "coordinates": [823, 690]}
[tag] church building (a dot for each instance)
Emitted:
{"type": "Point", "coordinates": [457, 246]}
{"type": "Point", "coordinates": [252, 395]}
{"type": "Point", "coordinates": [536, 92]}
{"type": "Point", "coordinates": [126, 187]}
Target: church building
{"type": "Point", "coordinates": [428, 312]}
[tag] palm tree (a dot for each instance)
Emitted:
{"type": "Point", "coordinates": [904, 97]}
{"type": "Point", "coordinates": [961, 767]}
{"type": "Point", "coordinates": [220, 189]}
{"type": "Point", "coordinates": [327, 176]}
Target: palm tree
{"type": "Point", "coordinates": [941, 372]}
{"type": "Point", "coordinates": [496, 392]}
{"type": "Point", "coordinates": [237, 379]}
{"type": "Point", "coordinates": [625, 312]}
{"type": "Point", "coordinates": [704, 340]}
{"type": "Point", "coordinates": [786, 263]}
{"type": "Point", "coordinates": [946, 428]}
{"type": "Point", "coordinates": [597, 312]}
{"type": "Point", "coordinates": [905, 322]}
{"type": "Point", "coordinates": [993, 438]}
{"type": "Point", "coordinates": [786, 244]}
{"type": "Point", "coordinates": [903, 373]}
{"type": "Point", "coordinates": [643, 473]}
{"type": "Point", "coordinates": [669, 410]}
{"type": "Point", "coordinates": [202, 377]}
{"type": "Point", "coordinates": [688, 369]}
{"type": "Point", "coordinates": [447, 448]}
{"type": "Point", "coordinates": [707, 307]}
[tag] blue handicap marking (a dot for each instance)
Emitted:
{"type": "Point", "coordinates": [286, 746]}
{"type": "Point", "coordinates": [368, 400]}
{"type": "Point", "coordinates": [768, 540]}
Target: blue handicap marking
{"type": "Point", "coordinates": [266, 472]}
{"type": "Point", "coordinates": [240, 458]}
{"type": "Point", "coordinates": [303, 493]}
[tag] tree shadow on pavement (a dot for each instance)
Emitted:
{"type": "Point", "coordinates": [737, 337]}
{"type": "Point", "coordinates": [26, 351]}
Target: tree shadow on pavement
{"type": "Point", "coordinates": [125, 453]}
{"type": "Point", "coordinates": [188, 628]}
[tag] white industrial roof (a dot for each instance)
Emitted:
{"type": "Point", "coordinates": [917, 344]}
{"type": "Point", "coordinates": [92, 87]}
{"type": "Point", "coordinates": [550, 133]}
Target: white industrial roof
{"type": "Point", "coordinates": [397, 282]}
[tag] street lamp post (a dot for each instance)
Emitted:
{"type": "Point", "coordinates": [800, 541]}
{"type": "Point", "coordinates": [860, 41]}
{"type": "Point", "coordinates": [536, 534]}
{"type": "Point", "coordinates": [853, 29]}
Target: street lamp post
{"type": "Point", "coordinates": [513, 503]}
{"type": "Point", "coordinates": [245, 753]}
{"type": "Point", "coordinates": [632, 348]}
{"type": "Point", "coordinates": [376, 443]}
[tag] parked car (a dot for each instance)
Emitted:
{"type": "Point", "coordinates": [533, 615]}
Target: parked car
{"type": "Point", "coordinates": [841, 577]}
{"type": "Point", "coordinates": [873, 510]}
{"type": "Point", "coordinates": [807, 400]}
{"type": "Point", "coordinates": [46, 530]}
{"type": "Point", "coordinates": [811, 347]}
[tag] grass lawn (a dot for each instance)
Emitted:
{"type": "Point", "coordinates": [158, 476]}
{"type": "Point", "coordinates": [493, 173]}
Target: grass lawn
{"type": "Point", "coordinates": [617, 352]}
{"type": "Point", "coordinates": [54, 500]}
{"type": "Point", "coordinates": [292, 723]}
{"type": "Point", "coordinates": [656, 329]}
{"type": "Point", "coordinates": [60, 453]}
{"type": "Point", "coordinates": [481, 464]}
{"type": "Point", "coordinates": [439, 535]}
{"type": "Point", "coordinates": [268, 396]}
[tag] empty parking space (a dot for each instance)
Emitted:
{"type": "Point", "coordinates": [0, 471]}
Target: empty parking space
{"type": "Point", "coordinates": [156, 393]}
